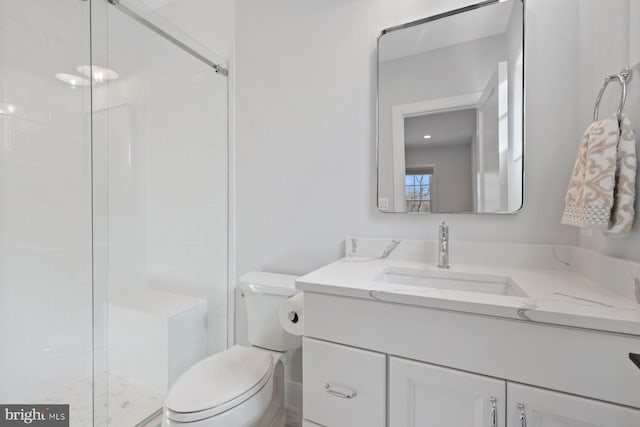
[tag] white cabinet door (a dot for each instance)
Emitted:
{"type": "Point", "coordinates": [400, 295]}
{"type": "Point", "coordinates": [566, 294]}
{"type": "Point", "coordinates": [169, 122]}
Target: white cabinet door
{"type": "Point", "coordinates": [535, 407]}
{"type": "Point", "coordinates": [431, 396]}
{"type": "Point", "coordinates": [343, 386]}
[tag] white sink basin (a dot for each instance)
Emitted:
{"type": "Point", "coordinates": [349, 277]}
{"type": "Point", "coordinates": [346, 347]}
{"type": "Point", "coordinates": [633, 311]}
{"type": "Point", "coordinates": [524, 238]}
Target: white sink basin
{"type": "Point", "coordinates": [452, 280]}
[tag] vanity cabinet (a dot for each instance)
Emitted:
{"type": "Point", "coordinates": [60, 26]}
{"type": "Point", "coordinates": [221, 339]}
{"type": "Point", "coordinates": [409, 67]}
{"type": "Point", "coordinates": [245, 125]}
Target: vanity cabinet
{"type": "Point", "coordinates": [426, 395]}
{"type": "Point", "coordinates": [413, 366]}
{"type": "Point", "coordinates": [536, 407]}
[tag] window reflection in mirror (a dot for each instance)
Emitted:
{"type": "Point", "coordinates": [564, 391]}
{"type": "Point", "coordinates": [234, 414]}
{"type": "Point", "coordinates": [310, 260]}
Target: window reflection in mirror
{"type": "Point", "coordinates": [418, 187]}
{"type": "Point", "coordinates": [450, 109]}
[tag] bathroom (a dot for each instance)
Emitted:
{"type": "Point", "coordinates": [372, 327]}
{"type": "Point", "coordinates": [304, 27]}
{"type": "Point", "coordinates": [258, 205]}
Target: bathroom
{"type": "Point", "coordinates": [155, 152]}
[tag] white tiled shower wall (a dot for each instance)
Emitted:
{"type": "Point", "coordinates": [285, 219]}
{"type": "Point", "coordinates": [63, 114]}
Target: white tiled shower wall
{"type": "Point", "coordinates": [167, 179]}
{"type": "Point", "coordinates": [45, 200]}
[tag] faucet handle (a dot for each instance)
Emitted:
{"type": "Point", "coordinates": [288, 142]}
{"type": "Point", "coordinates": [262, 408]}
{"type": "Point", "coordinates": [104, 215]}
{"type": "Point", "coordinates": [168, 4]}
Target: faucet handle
{"type": "Point", "coordinates": [443, 245]}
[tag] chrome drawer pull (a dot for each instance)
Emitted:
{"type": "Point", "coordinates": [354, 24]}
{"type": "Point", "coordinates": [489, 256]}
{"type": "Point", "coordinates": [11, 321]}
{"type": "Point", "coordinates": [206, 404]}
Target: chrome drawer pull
{"type": "Point", "coordinates": [494, 411]}
{"type": "Point", "coordinates": [523, 417]}
{"type": "Point", "coordinates": [336, 393]}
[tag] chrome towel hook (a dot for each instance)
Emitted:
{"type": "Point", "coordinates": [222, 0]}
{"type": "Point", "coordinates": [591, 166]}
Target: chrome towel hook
{"type": "Point", "coordinates": [622, 78]}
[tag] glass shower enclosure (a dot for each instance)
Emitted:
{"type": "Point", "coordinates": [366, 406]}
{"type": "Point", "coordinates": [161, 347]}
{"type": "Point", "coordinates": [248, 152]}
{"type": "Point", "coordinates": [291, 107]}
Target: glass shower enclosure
{"type": "Point", "coordinates": [113, 207]}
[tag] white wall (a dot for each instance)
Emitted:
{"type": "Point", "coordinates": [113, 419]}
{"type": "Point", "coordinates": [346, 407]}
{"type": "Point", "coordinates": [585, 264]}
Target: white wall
{"type": "Point", "coordinates": [606, 52]}
{"type": "Point", "coordinates": [306, 130]}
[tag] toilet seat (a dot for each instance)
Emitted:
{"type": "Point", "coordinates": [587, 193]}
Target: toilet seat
{"type": "Point", "coordinates": [218, 383]}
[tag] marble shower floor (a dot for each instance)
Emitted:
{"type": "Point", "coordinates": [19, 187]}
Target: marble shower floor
{"type": "Point", "coordinates": [120, 404]}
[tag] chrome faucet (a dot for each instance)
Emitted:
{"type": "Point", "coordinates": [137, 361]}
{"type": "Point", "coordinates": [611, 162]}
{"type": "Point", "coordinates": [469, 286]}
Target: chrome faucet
{"type": "Point", "coordinates": [443, 245]}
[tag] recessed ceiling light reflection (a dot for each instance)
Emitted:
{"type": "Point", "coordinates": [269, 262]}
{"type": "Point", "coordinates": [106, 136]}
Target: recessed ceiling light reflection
{"type": "Point", "coordinates": [427, 137]}
{"type": "Point", "coordinates": [97, 73]}
{"type": "Point", "coordinates": [73, 80]}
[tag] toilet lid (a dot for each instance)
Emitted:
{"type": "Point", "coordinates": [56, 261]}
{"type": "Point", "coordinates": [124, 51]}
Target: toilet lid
{"type": "Point", "coordinates": [219, 379]}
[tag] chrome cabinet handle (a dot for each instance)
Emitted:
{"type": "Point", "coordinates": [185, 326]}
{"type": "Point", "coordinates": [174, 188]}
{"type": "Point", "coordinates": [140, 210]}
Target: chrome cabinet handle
{"type": "Point", "coordinates": [340, 394]}
{"type": "Point", "coordinates": [494, 411]}
{"type": "Point", "coordinates": [523, 417]}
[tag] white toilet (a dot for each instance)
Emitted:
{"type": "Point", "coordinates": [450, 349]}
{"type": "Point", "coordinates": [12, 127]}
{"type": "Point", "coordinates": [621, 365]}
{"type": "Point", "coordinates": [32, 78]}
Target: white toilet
{"type": "Point", "coordinates": [242, 386]}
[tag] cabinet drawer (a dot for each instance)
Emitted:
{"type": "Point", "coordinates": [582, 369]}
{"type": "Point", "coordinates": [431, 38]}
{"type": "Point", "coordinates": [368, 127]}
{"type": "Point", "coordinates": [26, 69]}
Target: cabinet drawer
{"type": "Point", "coordinates": [343, 386]}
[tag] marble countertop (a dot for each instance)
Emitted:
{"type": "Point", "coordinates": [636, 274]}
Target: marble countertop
{"type": "Point", "coordinates": [553, 297]}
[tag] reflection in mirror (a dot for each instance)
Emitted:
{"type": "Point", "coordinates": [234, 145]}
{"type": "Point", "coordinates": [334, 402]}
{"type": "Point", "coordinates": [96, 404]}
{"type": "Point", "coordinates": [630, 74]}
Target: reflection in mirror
{"type": "Point", "coordinates": [450, 112]}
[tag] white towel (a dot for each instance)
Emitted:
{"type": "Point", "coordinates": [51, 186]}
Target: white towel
{"type": "Point", "coordinates": [601, 191]}
{"type": "Point", "coordinates": [624, 194]}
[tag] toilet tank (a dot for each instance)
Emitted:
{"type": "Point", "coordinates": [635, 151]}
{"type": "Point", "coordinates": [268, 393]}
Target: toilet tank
{"type": "Point", "coordinates": [264, 293]}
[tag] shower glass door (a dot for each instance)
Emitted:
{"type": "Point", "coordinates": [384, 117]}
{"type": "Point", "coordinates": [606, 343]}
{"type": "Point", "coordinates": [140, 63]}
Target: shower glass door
{"type": "Point", "coordinates": [160, 208]}
{"type": "Point", "coordinates": [45, 207]}
{"type": "Point", "coordinates": [113, 207]}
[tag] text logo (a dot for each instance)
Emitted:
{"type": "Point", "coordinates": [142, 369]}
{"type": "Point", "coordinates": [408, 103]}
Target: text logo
{"type": "Point", "coordinates": [34, 415]}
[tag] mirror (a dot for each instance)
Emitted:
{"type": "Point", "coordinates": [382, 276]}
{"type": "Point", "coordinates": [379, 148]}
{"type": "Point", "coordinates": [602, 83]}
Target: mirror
{"type": "Point", "coordinates": [450, 112]}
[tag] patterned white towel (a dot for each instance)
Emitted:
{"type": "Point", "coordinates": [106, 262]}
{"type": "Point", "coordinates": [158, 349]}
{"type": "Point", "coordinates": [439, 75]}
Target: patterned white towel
{"type": "Point", "coordinates": [624, 194]}
{"type": "Point", "coordinates": [601, 191]}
